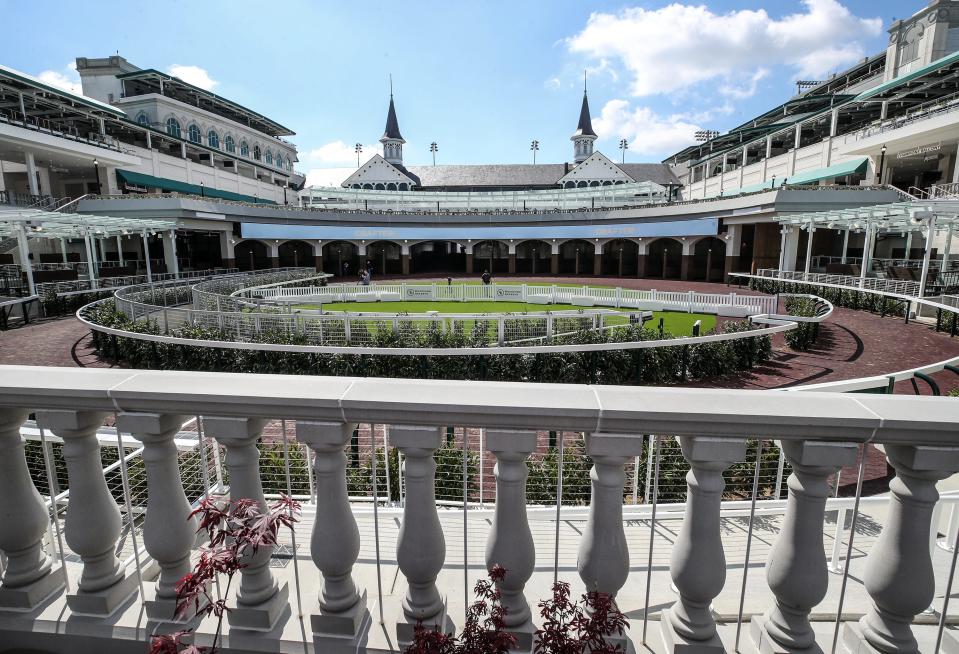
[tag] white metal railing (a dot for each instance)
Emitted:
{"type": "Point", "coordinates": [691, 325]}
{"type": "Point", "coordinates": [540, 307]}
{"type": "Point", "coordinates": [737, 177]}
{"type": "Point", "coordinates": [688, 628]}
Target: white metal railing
{"type": "Point", "coordinates": [235, 323]}
{"type": "Point", "coordinates": [898, 286]}
{"type": "Point", "coordinates": [616, 540]}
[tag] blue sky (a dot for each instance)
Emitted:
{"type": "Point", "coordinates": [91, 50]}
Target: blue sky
{"type": "Point", "coordinates": [481, 78]}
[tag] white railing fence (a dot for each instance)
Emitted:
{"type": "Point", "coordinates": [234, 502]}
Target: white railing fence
{"type": "Point", "coordinates": [777, 459]}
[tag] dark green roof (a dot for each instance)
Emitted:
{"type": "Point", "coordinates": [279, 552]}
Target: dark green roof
{"type": "Point", "coordinates": [173, 186]}
{"type": "Point", "coordinates": [908, 77]}
{"type": "Point", "coordinates": [148, 73]}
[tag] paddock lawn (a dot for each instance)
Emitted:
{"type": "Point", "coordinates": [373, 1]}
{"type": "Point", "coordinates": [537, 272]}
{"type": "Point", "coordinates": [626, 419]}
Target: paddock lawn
{"type": "Point", "coordinates": [674, 322]}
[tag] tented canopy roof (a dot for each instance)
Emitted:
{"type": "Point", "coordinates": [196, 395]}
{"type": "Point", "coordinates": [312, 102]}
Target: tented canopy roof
{"type": "Point", "coordinates": [54, 224]}
{"type": "Point", "coordinates": [894, 217]}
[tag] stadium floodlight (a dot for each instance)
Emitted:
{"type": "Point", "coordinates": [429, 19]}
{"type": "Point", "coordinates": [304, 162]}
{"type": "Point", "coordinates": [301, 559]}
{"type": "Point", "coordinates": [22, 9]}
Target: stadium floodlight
{"type": "Point", "coordinates": [704, 135]}
{"type": "Point", "coordinates": [534, 146]}
{"type": "Point", "coordinates": [624, 145]}
{"type": "Point", "coordinates": [434, 149]}
{"type": "Point", "coordinates": [358, 149]}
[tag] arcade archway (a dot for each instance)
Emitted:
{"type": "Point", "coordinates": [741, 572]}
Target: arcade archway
{"type": "Point", "coordinates": [664, 259]}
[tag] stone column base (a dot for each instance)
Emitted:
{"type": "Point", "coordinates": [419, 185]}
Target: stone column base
{"type": "Point", "coordinates": [101, 603]}
{"type": "Point", "coordinates": [264, 616]}
{"type": "Point", "coordinates": [340, 623]}
{"type": "Point", "coordinates": [26, 598]}
{"type": "Point", "coordinates": [854, 641]}
{"type": "Point", "coordinates": [766, 645]}
{"type": "Point", "coordinates": [406, 626]}
{"type": "Point", "coordinates": [678, 644]}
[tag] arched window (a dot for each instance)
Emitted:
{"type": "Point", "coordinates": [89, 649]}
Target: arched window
{"type": "Point", "coordinates": [269, 157]}
{"type": "Point", "coordinates": [213, 139]}
{"type": "Point", "coordinates": [143, 119]}
{"type": "Point", "coordinates": [256, 152]}
{"type": "Point", "coordinates": [230, 144]}
{"type": "Point", "coordinates": [279, 161]}
{"type": "Point", "coordinates": [193, 133]}
{"type": "Point", "coordinates": [244, 149]}
{"type": "Point", "coordinates": [173, 127]}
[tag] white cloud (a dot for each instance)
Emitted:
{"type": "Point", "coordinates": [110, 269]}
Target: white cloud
{"type": "Point", "coordinates": [327, 176]}
{"type": "Point", "coordinates": [553, 84]}
{"type": "Point", "coordinates": [677, 46]}
{"type": "Point", "coordinates": [647, 131]}
{"type": "Point", "coordinates": [66, 79]}
{"type": "Point", "coordinates": [338, 153]}
{"type": "Point", "coordinates": [193, 75]}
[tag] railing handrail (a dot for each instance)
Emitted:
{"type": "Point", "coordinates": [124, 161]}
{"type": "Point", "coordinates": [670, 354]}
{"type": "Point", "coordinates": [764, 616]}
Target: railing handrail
{"type": "Point", "coordinates": [491, 405]}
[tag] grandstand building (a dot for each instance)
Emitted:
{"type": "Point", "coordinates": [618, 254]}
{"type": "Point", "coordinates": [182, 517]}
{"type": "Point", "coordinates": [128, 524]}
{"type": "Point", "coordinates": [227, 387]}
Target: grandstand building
{"type": "Point", "coordinates": [882, 132]}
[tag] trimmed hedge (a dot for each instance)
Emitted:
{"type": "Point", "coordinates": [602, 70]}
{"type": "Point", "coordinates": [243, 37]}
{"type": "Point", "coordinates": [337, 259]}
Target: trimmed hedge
{"type": "Point", "coordinates": [804, 336]}
{"type": "Point", "coordinates": [663, 365]}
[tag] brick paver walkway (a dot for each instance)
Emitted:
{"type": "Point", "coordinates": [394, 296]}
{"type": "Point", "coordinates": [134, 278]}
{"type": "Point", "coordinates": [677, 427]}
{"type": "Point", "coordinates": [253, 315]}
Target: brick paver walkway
{"type": "Point", "coordinates": [852, 344]}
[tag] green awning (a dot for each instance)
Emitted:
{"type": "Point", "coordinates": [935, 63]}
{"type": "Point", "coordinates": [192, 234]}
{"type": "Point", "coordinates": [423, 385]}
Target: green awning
{"type": "Point", "coordinates": [851, 167]}
{"type": "Point", "coordinates": [173, 186]}
{"type": "Point", "coordinates": [908, 77]}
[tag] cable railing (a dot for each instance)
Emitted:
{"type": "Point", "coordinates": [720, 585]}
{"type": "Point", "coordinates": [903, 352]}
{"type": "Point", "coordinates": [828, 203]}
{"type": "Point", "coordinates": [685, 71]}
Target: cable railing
{"type": "Point", "coordinates": [665, 498]}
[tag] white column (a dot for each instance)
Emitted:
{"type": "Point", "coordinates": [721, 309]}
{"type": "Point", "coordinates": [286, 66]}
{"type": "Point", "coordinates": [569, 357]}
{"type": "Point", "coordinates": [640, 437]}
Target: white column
{"type": "Point", "coordinates": [930, 237]}
{"type": "Point", "coordinates": [809, 239]}
{"type": "Point", "coordinates": [603, 561]}
{"type": "Point", "coordinates": [92, 525]}
{"type": "Point", "coordinates": [796, 567]}
{"type": "Point", "coordinates": [146, 256]}
{"type": "Point", "coordinates": [908, 248]}
{"type": "Point", "coordinates": [421, 547]}
{"type": "Point", "coordinates": [260, 601]}
{"type": "Point", "coordinates": [28, 578]}
{"type": "Point", "coordinates": [790, 249]}
{"type": "Point", "coordinates": [169, 253]}
{"type": "Point", "coordinates": [91, 260]}
{"type": "Point", "coordinates": [866, 252]}
{"type": "Point", "coordinates": [32, 174]}
{"type": "Point", "coordinates": [63, 249]}
{"type": "Point", "coordinates": [168, 532]}
{"type": "Point", "coordinates": [899, 575]}
{"type": "Point", "coordinates": [25, 262]}
{"type": "Point", "coordinates": [697, 564]}
{"type": "Point", "coordinates": [510, 541]}
{"type": "Point", "coordinates": [845, 244]}
{"type": "Point", "coordinates": [335, 542]}
{"type": "Point", "coordinates": [120, 249]}
{"type": "Point", "coordinates": [947, 247]}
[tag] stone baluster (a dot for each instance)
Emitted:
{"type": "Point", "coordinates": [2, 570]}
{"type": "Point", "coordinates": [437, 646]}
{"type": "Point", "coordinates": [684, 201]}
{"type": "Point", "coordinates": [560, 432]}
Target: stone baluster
{"type": "Point", "coordinates": [335, 542]}
{"type": "Point", "coordinates": [92, 525]}
{"type": "Point", "coordinates": [796, 568]}
{"type": "Point", "coordinates": [30, 576]}
{"type": "Point", "coordinates": [899, 575]}
{"type": "Point", "coordinates": [169, 532]}
{"type": "Point", "coordinates": [603, 560]}
{"type": "Point", "coordinates": [697, 563]}
{"type": "Point", "coordinates": [510, 541]}
{"type": "Point", "coordinates": [421, 547]}
{"type": "Point", "coordinates": [260, 601]}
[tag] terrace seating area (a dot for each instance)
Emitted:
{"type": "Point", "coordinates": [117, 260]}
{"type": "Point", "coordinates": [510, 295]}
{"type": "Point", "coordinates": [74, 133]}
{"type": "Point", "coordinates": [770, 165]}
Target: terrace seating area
{"type": "Point", "coordinates": [717, 565]}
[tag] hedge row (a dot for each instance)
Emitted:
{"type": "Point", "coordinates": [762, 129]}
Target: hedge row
{"type": "Point", "coordinates": [662, 365]}
{"type": "Point", "coordinates": [804, 336]}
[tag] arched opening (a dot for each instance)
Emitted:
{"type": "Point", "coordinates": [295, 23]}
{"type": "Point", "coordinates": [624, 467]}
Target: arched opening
{"type": "Point", "coordinates": [709, 259]}
{"type": "Point", "coordinates": [200, 250]}
{"type": "Point", "coordinates": [341, 258]}
{"type": "Point", "coordinates": [296, 254]}
{"type": "Point", "coordinates": [492, 256]}
{"type": "Point", "coordinates": [384, 257]}
{"type": "Point", "coordinates": [620, 258]}
{"type": "Point", "coordinates": [437, 256]}
{"type": "Point", "coordinates": [664, 259]}
{"type": "Point", "coordinates": [252, 255]}
{"type": "Point", "coordinates": [576, 257]}
{"type": "Point", "coordinates": [533, 257]}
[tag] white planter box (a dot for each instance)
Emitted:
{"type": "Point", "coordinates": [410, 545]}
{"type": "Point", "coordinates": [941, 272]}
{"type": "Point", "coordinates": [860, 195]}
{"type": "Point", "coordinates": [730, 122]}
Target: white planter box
{"type": "Point", "coordinates": [365, 297]}
{"type": "Point", "coordinates": [390, 297]}
{"type": "Point", "coordinates": [537, 299]}
{"type": "Point", "coordinates": [582, 301]}
{"type": "Point", "coordinates": [650, 305]}
{"type": "Point", "coordinates": [737, 312]}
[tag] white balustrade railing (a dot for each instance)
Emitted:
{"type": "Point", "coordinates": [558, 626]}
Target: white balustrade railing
{"type": "Point", "coordinates": [905, 571]}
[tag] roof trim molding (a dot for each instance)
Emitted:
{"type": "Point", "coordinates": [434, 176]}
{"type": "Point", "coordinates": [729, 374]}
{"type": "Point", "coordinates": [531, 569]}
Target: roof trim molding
{"type": "Point", "coordinates": [596, 167]}
{"type": "Point", "coordinates": [378, 170]}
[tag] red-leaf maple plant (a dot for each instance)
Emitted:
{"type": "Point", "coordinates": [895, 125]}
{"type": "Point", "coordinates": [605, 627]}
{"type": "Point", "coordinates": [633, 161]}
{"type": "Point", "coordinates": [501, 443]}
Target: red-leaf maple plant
{"type": "Point", "coordinates": [569, 627]}
{"type": "Point", "coordinates": [235, 530]}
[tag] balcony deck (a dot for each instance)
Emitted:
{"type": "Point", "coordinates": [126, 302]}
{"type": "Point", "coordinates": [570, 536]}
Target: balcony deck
{"type": "Point", "coordinates": [293, 635]}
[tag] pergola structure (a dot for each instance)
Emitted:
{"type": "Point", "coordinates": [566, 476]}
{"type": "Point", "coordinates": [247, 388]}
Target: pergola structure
{"type": "Point", "coordinates": [925, 217]}
{"type": "Point", "coordinates": [26, 224]}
